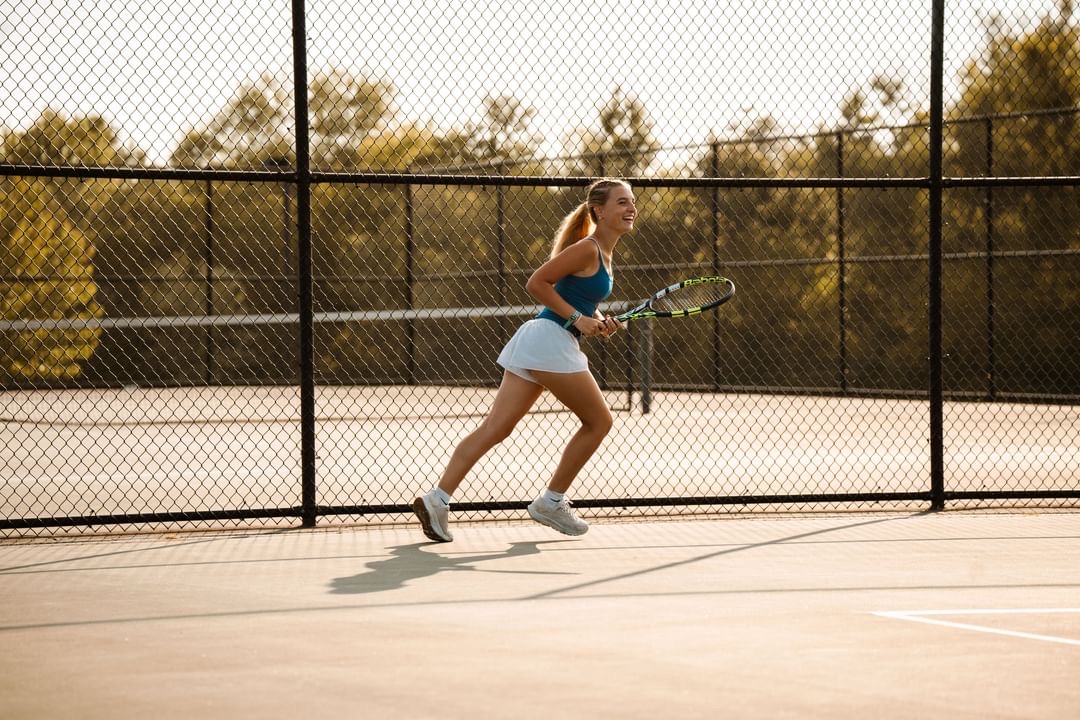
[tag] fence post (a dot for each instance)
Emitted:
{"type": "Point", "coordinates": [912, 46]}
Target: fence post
{"type": "Point", "coordinates": [645, 351]}
{"type": "Point", "coordinates": [208, 258]}
{"type": "Point", "coordinates": [937, 439]}
{"type": "Point", "coordinates": [988, 205]}
{"type": "Point", "coordinates": [309, 507]}
{"type": "Point", "coordinates": [841, 262]}
{"type": "Point", "coordinates": [500, 239]}
{"type": "Point", "coordinates": [410, 251]}
{"type": "Point", "coordinates": [714, 219]}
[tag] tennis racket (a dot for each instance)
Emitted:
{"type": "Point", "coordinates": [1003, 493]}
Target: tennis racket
{"type": "Point", "coordinates": [689, 297]}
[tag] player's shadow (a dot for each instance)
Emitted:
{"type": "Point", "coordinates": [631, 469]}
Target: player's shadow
{"type": "Point", "coordinates": [409, 562]}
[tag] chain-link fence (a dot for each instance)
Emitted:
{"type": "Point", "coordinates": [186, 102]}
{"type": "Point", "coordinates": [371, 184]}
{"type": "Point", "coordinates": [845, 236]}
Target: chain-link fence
{"type": "Point", "coordinates": [257, 259]}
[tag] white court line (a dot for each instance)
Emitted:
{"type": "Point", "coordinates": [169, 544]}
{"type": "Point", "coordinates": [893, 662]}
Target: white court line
{"type": "Point", "coordinates": [922, 616]}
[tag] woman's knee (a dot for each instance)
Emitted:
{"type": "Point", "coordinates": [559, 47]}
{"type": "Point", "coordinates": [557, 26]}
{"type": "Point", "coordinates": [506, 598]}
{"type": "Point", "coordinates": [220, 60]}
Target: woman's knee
{"type": "Point", "coordinates": [495, 431]}
{"type": "Point", "coordinates": [599, 422]}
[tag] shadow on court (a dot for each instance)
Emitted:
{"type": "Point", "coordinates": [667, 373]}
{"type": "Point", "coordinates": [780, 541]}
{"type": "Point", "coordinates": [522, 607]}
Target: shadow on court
{"type": "Point", "coordinates": [409, 562]}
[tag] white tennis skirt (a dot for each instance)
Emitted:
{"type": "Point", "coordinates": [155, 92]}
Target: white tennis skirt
{"type": "Point", "coordinates": [541, 344]}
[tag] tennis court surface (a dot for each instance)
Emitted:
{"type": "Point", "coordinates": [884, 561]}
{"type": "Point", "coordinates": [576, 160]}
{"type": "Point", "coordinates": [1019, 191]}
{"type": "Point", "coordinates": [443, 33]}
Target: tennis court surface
{"type": "Point", "coordinates": [946, 615]}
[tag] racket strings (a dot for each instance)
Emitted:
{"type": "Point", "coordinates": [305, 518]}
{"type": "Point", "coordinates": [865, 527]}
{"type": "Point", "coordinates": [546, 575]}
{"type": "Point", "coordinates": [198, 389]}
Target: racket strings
{"type": "Point", "coordinates": [690, 297]}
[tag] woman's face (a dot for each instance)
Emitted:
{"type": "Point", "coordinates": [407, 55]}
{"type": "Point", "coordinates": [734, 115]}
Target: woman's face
{"type": "Point", "coordinates": [619, 212]}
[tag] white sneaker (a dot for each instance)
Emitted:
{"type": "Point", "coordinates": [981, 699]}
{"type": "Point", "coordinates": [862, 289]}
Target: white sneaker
{"type": "Point", "coordinates": [558, 516]}
{"type": "Point", "coordinates": [434, 518]}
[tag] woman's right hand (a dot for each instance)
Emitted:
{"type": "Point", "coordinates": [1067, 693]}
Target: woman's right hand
{"type": "Point", "coordinates": [589, 326]}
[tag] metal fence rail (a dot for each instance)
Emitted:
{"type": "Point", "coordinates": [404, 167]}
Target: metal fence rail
{"type": "Point", "coordinates": [905, 330]}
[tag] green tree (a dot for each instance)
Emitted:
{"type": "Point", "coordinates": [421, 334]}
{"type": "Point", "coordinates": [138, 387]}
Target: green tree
{"type": "Point", "coordinates": [254, 232]}
{"type": "Point", "coordinates": [500, 142]}
{"type": "Point", "coordinates": [623, 145]}
{"type": "Point", "coordinates": [87, 140]}
{"type": "Point", "coordinates": [251, 129]}
{"type": "Point", "coordinates": [885, 322]}
{"type": "Point", "coordinates": [345, 112]}
{"type": "Point", "coordinates": [146, 229]}
{"type": "Point", "coordinates": [770, 232]}
{"type": "Point", "coordinates": [1036, 300]}
{"type": "Point", "coordinates": [54, 139]}
{"type": "Point", "coordinates": [504, 132]}
{"type": "Point", "coordinates": [48, 275]}
{"type": "Point", "coordinates": [48, 258]}
{"type": "Point", "coordinates": [256, 126]}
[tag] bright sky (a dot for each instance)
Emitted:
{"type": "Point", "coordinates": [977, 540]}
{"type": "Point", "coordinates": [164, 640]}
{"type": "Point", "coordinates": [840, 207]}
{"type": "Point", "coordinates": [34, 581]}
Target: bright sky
{"type": "Point", "coordinates": [156, 69]}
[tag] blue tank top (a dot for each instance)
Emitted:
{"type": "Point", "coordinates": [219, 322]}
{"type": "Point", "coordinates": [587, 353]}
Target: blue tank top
{"type": "Point", "coordinates": [583, 293]}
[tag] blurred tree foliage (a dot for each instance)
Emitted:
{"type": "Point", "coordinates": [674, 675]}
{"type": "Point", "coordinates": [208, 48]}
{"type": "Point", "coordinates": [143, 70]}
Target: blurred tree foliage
{"type": "Point", "coordinates": [1036, 337]}
{"type": "Point", "coordinates": [48, 245]}
{"type": "Point", "coordinates": [621, 144]}
{"type": "Point", "coordinates": [48, 274]}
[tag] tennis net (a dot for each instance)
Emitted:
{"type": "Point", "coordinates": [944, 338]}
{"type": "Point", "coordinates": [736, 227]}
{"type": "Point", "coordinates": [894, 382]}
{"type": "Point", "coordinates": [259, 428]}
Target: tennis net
{"type": "Point", "coordinates": [244, 368]}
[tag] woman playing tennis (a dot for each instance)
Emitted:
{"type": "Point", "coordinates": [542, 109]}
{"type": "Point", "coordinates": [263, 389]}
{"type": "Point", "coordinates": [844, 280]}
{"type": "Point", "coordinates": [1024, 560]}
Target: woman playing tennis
{"type": "Point", "coordinates": [544, 353]}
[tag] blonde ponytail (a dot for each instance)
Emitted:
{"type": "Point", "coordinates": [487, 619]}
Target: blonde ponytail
{"type": "Point", "coordinates": [573, 227]}
{"type": "Point", "coordinates": [579, 223]}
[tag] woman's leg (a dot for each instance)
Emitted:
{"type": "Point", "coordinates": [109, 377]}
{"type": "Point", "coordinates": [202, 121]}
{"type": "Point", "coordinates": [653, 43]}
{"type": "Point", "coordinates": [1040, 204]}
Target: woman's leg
{"type": "Point", "coordinates": [580, 393]}
{"type": "Point", "coordinates": [514, 398]}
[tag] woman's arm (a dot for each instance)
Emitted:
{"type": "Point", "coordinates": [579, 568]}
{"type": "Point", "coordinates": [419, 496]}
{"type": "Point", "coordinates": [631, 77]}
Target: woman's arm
{"type": "Point", "coordinates": [578, 258]}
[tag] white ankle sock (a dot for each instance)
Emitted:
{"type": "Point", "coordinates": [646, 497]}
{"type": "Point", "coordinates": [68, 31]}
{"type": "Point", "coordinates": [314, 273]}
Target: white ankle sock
{"type": "Point", "coordinates": [553, 497]}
